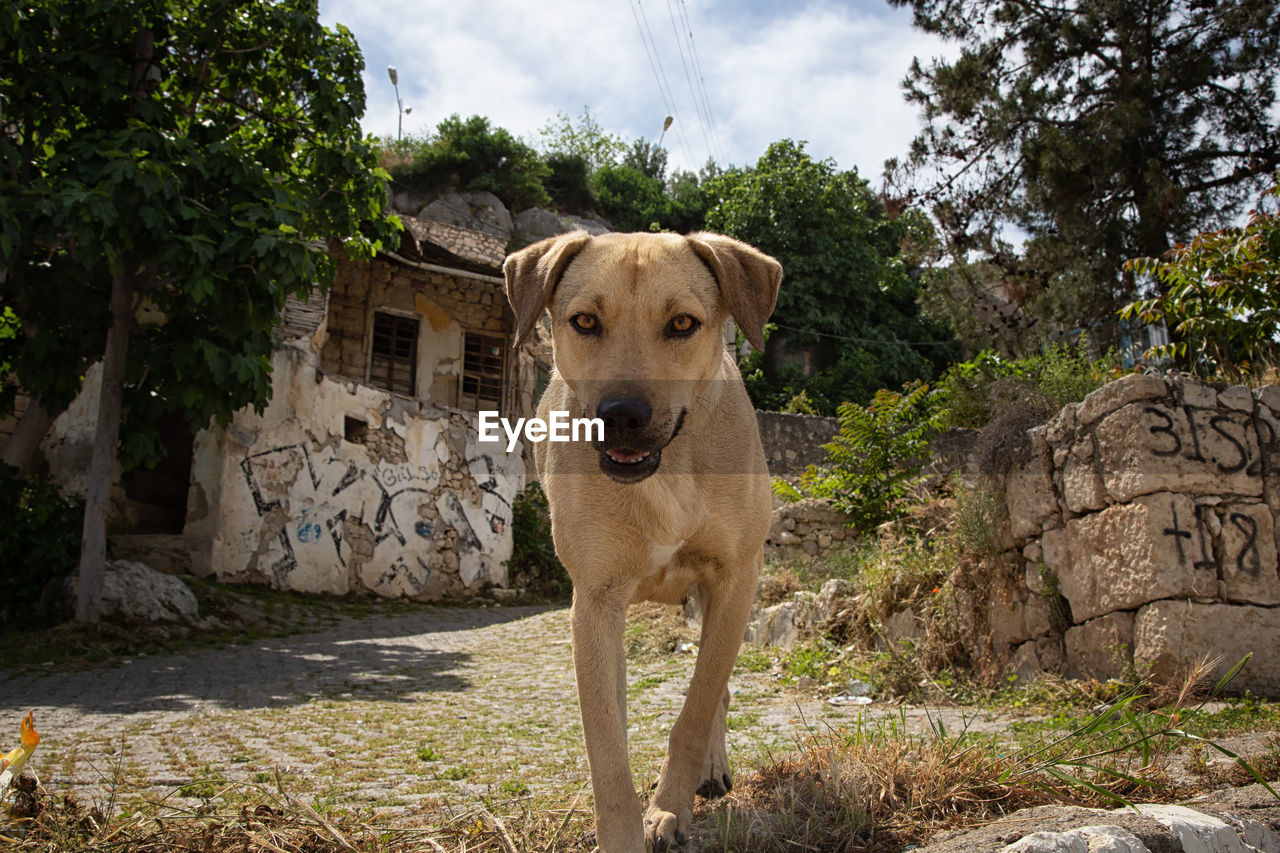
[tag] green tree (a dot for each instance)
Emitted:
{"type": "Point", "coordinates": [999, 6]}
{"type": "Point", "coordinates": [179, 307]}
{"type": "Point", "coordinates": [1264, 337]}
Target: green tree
{"type": "Point", "coordinates": [1220, 295]}
{"type": "Point", "coordinates": [585, 140]}
{"type": "Point", "coordinates": [1104, 129]}
{"type": "Point", "coordinates": [199, 158]}
{"type": "Point", "coordinates": [848, 302]}
{"type": "Point", "coordinates": [470, 155]}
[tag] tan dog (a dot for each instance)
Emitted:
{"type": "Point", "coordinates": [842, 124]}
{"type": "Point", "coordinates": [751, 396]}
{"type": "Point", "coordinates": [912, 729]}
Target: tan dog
{"type": "Point", "coordinates": [675, 498]}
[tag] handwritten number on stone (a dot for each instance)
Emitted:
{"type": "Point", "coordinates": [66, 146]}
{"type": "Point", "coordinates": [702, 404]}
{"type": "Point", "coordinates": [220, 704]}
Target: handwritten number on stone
{"type": "Point", "coordinates": [1164, 429]}
{"type": "Point", "coordinates": [1178, 534]}
{"type": "Point", "coordinates": [1249, 559]}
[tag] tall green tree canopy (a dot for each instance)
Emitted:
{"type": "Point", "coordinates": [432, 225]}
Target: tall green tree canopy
{"type": "Point", "coordinates": [847, 299]}
{"type": "Point", "coordinates": [1105, 129]}
{"type": "Point", "coordinates": [199, 158]}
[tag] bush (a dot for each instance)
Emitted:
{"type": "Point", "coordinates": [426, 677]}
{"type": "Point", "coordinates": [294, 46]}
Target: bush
{"type": "Point", "coordinates": [39, 545]}
{"type": "Point", "coordinates": [533, 564]}
{"type": "Point", "coordinates": [876, 458]}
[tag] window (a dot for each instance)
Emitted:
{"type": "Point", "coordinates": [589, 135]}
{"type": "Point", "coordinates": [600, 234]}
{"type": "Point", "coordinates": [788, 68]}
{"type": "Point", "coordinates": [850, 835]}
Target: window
{"type": "Point", "coordinates": [484, 364]}
{"type": "Point", "coordinates": [393, 358]}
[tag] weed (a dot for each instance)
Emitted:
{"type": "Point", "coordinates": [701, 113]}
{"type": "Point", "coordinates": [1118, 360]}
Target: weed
{"type": "Point", "coordinates": [429, 753]}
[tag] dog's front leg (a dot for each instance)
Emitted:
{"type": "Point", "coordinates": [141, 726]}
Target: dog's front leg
{"type": "Point", "coordinates": [727, 608]}
{"type": "Point", "coordinates": [599, 662]}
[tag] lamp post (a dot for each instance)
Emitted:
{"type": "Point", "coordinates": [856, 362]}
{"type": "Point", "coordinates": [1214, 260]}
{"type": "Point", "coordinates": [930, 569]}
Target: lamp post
{"type": "Point", "coordinates": [666, 125]}
{"type": "Point", "coordinates": [400, 110]}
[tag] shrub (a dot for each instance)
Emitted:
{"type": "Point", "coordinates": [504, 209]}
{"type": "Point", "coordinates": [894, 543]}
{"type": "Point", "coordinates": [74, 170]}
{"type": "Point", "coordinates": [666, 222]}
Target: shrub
{"type": "Point", "coordinates": [39, 545]}
{"type": "Point", "coordinates": [533, 564]}
{"type": "Point", "coordinates": [875, 459]}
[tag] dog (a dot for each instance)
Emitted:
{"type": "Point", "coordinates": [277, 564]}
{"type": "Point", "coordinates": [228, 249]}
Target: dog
{"type": "Point", "coordinates": [674, 499]}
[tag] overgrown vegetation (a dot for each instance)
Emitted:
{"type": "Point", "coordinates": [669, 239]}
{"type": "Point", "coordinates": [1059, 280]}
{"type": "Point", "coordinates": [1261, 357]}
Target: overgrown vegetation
{"type": "Point", "coordinates": [39, 547]}
{"type": "Point", "coordinates": [875, 463]}
{"type": "Point", "coordinates": [534, 566]}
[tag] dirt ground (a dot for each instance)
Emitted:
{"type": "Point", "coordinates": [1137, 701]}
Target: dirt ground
{"type": "Point", "coordinates": [386, 715]}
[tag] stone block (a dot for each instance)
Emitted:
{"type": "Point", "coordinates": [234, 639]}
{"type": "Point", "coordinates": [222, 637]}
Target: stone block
{"type": "Point", "coordinates": [1029, 492]}
{"type": "Point", "coordinates": [1101, 648]}
{"type": "Point", "coordinates": [1128, 555]}
{"type": "Point", "coordinates": [1236, 397]}
{"type": "Point", "coordinates": [1191, 392]}
{"type": "Point", "coordinates": [1122, 392]}
{"type": "Point", "coordinates": [1248, 558]}
{"type": "Point", "coordinates": [1167, 634]}
{"type": "Point", "coordinates": [1148, 447]}
{"type": "Point", "coordinates": [1082, 488]}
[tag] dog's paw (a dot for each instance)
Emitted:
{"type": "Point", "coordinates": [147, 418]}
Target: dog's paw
{"type": "Point", "coordinates": [664, 830]}
{"type": "Point", "coordinates": [711, 787]}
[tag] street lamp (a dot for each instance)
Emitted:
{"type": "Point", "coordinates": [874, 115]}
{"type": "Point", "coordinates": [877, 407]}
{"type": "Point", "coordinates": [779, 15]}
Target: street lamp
{"type": "Point", "coordinates": [400, 110]}
{"type": "Point", "coordinates": [666, 125]}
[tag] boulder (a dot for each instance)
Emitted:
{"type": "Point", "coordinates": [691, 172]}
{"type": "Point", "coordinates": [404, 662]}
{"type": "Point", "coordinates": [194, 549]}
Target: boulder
{"type": "Point", "coordinates": [1115, 395]}
{"type": "Point", "coordinates": [136, 593]}
{"type": "Point", "coordinates": [477, 211]}
{"type": "Point", "coordinates": [536, 224]}
{"type": "Point", "coordinates": [1029, 492]}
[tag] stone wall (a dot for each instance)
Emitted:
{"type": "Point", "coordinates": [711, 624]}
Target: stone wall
{"type": "Point", "coordinates": [808, 527]}
{"type": "Point", "coordinates": [794, 442]}
{"type": "Point", "coordinates": [339, 488]}
{"type": "Point", "coordinates": [1146, 514]}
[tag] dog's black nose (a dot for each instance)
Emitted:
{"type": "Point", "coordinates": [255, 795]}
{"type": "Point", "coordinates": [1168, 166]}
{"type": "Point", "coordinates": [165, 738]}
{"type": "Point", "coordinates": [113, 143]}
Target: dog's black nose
{"type": "Point", "coordinates": [623, 415]}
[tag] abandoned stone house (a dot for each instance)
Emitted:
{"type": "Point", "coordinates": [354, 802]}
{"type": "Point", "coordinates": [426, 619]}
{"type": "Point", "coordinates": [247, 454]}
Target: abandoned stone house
{"type": "Point", "coordinates": [363, 474]}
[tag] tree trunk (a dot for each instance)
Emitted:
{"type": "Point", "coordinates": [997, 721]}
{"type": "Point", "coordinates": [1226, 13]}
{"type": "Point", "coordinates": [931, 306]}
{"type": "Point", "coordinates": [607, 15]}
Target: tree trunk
{"type": "Point", "coordinates": [20, 450]}
{"type": "Point", "coordinates": [93, 549]}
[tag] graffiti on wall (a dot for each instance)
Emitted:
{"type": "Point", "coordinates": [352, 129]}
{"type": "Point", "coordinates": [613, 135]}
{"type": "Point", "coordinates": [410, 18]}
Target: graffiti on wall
{"type": "Point", "coordinates": [335, 510]}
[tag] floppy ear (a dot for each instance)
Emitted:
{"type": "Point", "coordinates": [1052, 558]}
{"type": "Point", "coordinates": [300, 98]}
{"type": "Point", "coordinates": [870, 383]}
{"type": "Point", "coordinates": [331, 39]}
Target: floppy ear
{"type": "Point", "coordinates": [533, 273]}
{"type": "Point", "coordinates": [748, 280]}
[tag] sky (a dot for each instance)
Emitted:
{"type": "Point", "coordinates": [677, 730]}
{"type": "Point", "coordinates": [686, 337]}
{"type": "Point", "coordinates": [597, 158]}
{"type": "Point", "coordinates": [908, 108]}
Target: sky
{"type": "Point", "coordinates": [827, 72]}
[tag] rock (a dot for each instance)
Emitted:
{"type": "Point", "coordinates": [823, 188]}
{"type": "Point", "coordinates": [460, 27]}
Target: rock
{"type": "Point", "coordinates": [1114, 395]}
{"type": "Point", "coordinates": [780, 626]}
{"type": "Point", "coordinates": [478, 211]}
{"type": "Point", "coordinates": [136, 593]}
{"type": "Point", "coordinates": [904, 626]}
{"type": "Point", "coordinates": [806, 682]}
{"type": "Point", "coordinates": [1127, 555]}
{"type": "Point", "coordinates": [594, 227]}
{"type": "Point", "coordinates": [1269, 396]}
{"type": "Point", "coordinates": [1167, 634]}
{"type": "Point", "coordinates": [1236, 397]}
{"type": "Point", "coordinates": [830, 598]}
{"type": "Point", "coordinates": [1082, 489]}
{"type": "Point", "coordinates": [1104, 838]}
{"type": "Point", "coordinates": [1187, 391]}
{"type": "Point", "coordinates": [1037, 656]}
{"type": "Point", "coordinates": [536, 224]}
{"type": "Point", "coordinates": [1101, 648]}
{"type": "Point", "coordinates": [1029, 493]}
{"type": "Point", "coordinates": [1152, 447]}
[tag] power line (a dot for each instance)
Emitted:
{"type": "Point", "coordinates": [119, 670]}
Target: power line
{"type": "Point", "coordinates": [702, 82]}
{"type": "Point", "coordinates": [866, 340]}
{"type": "Point", "coordinates": [693, 93]}
{"type": "Point", "coordinates": [655, 63]}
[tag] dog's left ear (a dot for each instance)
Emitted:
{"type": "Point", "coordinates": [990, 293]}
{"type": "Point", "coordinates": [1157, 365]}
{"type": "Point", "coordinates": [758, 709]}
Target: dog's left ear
{"type": "Point", "coordinates": [748, 280]}
{"type": "Point", "coordinates": [532, 274]}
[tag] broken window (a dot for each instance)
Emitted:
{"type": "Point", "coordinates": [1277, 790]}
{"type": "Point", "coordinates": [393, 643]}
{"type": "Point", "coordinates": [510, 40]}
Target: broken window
{"type": "Point", "coordinates": [484, 365]}
{"type": "Point", "coordinates": [393, 357]}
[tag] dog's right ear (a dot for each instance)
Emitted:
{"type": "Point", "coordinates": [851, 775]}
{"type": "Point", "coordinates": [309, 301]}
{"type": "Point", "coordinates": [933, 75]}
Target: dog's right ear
{"type": "Point", "coordinates": [533, 273]}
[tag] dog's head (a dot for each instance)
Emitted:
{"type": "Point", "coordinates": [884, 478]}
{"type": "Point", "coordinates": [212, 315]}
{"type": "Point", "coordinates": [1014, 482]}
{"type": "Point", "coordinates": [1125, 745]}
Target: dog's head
{"type": "Point", "coordinates": [636, 326]}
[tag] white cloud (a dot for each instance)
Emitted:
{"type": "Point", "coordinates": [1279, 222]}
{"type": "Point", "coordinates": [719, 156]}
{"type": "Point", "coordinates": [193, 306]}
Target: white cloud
{"type": "Point", "coordinates": [825, 72]}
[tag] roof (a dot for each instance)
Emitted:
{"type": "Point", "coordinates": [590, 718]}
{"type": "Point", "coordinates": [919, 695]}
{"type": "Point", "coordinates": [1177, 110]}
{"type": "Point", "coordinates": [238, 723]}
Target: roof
{"type": "Point", "coordinates": [452, 246]}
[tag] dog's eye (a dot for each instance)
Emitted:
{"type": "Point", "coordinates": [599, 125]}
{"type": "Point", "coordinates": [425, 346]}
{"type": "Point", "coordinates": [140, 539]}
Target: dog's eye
{"type": "Point", "coordinates": [681, 326]}
{"type": "Point", "coordinates": [587, 324]}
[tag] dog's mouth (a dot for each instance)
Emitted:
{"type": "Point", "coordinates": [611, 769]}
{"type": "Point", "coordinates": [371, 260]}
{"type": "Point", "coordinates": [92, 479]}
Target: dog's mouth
{"type": "Point", "coordinates": [631, 465]}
